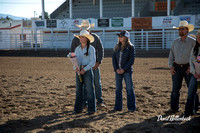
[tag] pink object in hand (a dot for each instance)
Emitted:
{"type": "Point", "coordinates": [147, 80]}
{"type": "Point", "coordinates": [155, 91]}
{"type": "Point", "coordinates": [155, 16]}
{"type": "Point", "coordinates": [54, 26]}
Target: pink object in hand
{"type": "Point", "coordinates": [73, 54]}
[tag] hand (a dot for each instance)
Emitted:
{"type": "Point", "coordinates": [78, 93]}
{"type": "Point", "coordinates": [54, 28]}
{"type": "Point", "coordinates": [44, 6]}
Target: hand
{"type": "Point", "coordinates": [188, 70]}
{"type": "Point", "coordinates": [96, 65]}
{"type": "Point", "coordinates": [197, 76]}
{"type": "Point", "coordinates": [77, 70]}
{"type": "Point", "coordinates": [82, 71]}
{"type": "Point", "coordinates": [120, 71]}
{"type": "Point", "coordinates": [172, 70]}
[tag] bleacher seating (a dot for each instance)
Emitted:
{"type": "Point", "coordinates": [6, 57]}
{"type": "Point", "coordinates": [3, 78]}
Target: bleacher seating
{"type": "Point", "coordinates": [119, 8]}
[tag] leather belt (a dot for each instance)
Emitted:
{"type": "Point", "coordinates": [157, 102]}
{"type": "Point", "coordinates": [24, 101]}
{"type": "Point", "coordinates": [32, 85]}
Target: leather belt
{"type": "Point", "coordinates": [181, 65]}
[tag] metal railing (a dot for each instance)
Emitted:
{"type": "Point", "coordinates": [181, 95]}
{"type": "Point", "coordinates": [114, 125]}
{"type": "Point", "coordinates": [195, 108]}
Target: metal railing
{"type": "Point", "coordinates": [146, 40]}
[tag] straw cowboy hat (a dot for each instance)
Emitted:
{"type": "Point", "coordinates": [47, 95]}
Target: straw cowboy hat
{"type": "Point", "coordinates": [198, 34]}
{"type": "Point", "coordinates": [85, 33]}
{"type": "Point", "coordinates": [85, 25]}
{"type": "Point", "coordinates": [184, 23]}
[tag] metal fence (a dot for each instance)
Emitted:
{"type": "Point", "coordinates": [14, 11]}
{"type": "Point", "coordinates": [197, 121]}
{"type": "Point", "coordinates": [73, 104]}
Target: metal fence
{"type": "Point", "coordinates": [146, 40]}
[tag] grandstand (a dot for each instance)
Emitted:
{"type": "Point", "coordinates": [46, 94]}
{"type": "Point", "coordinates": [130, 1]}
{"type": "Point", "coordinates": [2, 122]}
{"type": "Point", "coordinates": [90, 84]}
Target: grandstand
{"type": "Point", "coordinates": [122, 8]}
{"type": "Point", "coordinates": [150, 28]}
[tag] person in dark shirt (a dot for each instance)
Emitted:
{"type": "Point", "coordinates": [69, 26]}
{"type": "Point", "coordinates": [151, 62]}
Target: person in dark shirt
{"type": "Point", "coordinates": [123, 59]}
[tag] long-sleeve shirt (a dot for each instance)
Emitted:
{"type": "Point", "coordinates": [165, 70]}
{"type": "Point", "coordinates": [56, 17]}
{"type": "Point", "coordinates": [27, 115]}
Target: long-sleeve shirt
{"type": "Point", "coordinates": [193, 59]}
{"type": "Point", "coordinates": [97, 44]}
{"type": "Point", "coordinates": [180, 51]}
{"type": "Point", "coordinates": [127, 59]}
{"type": "Point", "coordinates": [87, 61]}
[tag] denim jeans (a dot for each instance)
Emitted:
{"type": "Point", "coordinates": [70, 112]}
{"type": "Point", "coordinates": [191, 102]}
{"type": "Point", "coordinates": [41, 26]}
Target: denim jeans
{"type": "Point", "coordinates": [193, 99]}
{"type": "Point", "coordinates": [131, 103]}
{"type": "Point", "coordinates": [177, 80]}
{"type": "Point", "coordinates": [88, 85]}
{"type": "Point", "coordinates": [98, 88]}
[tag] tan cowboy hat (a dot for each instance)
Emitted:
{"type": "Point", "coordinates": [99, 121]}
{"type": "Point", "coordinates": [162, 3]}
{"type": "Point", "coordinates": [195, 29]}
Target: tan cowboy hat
{"type": "Point", "coordinates": [195, 36]}
{"type": "Point", "coordinates": [184, 23]}
{"type": "Point", "coordinates": [85, 25]}
{"type": "Point", "coordinates": [85, 33]}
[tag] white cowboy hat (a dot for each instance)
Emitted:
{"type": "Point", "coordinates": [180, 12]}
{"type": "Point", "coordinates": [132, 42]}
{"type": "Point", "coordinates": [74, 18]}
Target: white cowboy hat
{"type": "Point", "coordinates": [85, 25]}
{"type": "Point", "coordinates": [184, 23]}
{"type": "Point", "coordinates": [85, 33]}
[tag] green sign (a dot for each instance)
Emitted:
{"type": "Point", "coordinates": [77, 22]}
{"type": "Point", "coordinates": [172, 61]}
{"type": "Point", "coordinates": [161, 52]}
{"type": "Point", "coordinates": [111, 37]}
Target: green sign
{"type": "Point", "coordinates": [117, 22]}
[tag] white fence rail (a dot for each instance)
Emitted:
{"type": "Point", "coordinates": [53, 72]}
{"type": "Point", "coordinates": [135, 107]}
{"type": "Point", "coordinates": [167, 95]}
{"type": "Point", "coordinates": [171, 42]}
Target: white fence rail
{"type": "Point", "coordinates": [147, 40]}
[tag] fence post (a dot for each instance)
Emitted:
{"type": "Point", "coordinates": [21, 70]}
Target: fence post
{"type": "Point", "coordinates": [142, 41]}
{"type": "Point", "coordinates": [104, 37]}
{"type": "Point", "coordinates": [147, 45]}
{"type": "Point", "coordinates": [15, 41]}
{"type": "Point", "coordinates": [51, 38]}
{"type": "Point", "coordinates": [35, 38]}
{"type": "Point", "coordinates": [69, 39]}
{"type": "Point", "coordinates": [56, 38]}
{"type": "Point", "coordinates": [163, 38]}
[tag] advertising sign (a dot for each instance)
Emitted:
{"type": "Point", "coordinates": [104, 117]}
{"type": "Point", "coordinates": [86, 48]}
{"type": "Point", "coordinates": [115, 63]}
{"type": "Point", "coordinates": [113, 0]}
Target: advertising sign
{"type": "Point", "coordinates": [103, 22]}
{"type": "Point", "coordinates": [187, 18]}
{"type": "Point", "coordinates": [39, 23]}
{"type": "Point", "coordinates": [117, 22]}
{"type": "Point", "coordinates": [27, 23]}
{"type": "Point", "coordinates": [51, 24]}
{"type": "Point", "coordinates": [141, 23]}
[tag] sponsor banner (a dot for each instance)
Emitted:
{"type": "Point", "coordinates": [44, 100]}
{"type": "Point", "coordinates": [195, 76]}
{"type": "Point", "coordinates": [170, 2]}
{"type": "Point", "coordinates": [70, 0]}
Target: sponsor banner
{"type": "Point", "coordinates": [27, 23]}
{"type": "Point", "coordinates": [63, 24]}
{"type": "Point", "coordinates": [103, 22]}
{"type": "Point", "coordinates": [197, 20]}
{"type": "Point", "coordinates": [164, 22]}
{"type": "Point", "coordinates": [117, 22]}
{"type": "Point", "coordinates": [141, 23]}
{"type": "Point", "coordinates": [39, 24]}
{"type": "Point", "coordinates": [51, 23]}
{"type": "Point", "coordinates": [189, 18]}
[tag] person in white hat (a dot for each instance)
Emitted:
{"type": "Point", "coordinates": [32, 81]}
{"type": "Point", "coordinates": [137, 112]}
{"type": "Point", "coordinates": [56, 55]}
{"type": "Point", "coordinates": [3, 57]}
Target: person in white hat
{"type": "Point", "coordinates": [192, 103]}
{"type": "Point", "coordinates": [85, 54]}
{"type": "Point", "coordinates": [178, 60]}
{"type": "Point", "coordinates": [97, 44]}
{"type": "Point", "coordinates": [123, 59]}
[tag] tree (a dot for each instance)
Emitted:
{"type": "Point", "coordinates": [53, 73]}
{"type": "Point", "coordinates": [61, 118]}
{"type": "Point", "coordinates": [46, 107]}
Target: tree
{"type": "Point", "coordinates": [46, 15]}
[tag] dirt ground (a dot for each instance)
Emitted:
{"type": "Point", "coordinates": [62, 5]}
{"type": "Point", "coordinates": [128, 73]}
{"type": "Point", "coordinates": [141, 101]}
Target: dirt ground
{"type": "Point", "coordinates": [37, 95]}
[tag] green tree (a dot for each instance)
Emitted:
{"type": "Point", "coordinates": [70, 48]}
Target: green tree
{"type": "Point", "coordinates": [46, 15]}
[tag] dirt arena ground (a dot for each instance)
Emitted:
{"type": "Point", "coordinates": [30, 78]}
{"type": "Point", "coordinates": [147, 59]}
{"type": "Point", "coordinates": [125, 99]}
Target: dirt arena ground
{"type": "Point", "coordinates": [37, 95]}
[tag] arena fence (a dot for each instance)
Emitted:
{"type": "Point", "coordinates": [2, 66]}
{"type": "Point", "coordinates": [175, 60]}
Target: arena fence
{"type": "Point", "coordinates": [144, 40]}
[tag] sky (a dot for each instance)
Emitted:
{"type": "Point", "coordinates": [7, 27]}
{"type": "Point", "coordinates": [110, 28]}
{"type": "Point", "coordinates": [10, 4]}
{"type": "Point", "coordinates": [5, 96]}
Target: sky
{"type": "Point", "coordinates": [28, 8]}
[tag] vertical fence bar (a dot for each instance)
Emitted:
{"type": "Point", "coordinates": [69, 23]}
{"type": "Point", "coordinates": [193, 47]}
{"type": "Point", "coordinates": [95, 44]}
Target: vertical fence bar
{"type": "Point", "coordinates": [147, 45]}
{"type": "Point", "coordinates": [104, 37]}
{"type": "Point", "coordinates": [15, 41]}
{"type": "Point", "coordinates": [35, 37]}
{"type": "Point", "coordinates": [69, 38]}
{"type": "Point", "coordinates": [142, 41]}
{"type": "Point", "coordinates": [51, 38]}
{"type": "Point", "coordinates": [163, 38]}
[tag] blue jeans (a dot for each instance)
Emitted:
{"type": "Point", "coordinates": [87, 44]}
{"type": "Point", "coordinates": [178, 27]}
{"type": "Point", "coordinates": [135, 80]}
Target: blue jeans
{"type": "Point", "coordinates": [193, 99]}
{"type": "Point", "coordinates": [131, 103]}
{"type": "Point", "coordinates": [177, 80]}
{"type": "Point", "coordinates": [88, 85]}
{"type": "Point", "coordinates": [98, 88]}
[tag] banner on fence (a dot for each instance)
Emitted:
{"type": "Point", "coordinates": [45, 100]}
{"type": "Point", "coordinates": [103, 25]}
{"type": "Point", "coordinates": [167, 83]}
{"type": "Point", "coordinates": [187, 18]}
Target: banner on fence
{"type": "Point", "coordinates": [117, 22]}
{"type": "Point", "coordinates": [103, 22]}
{"type": "Point", "coordinates": [141, 23]}
{"type": "Point", "coordinates": [39, 24]}
{"type": "Point", "coordinates": [27, 24]}
{"type": "Point", "coordinates": [51, 23]}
